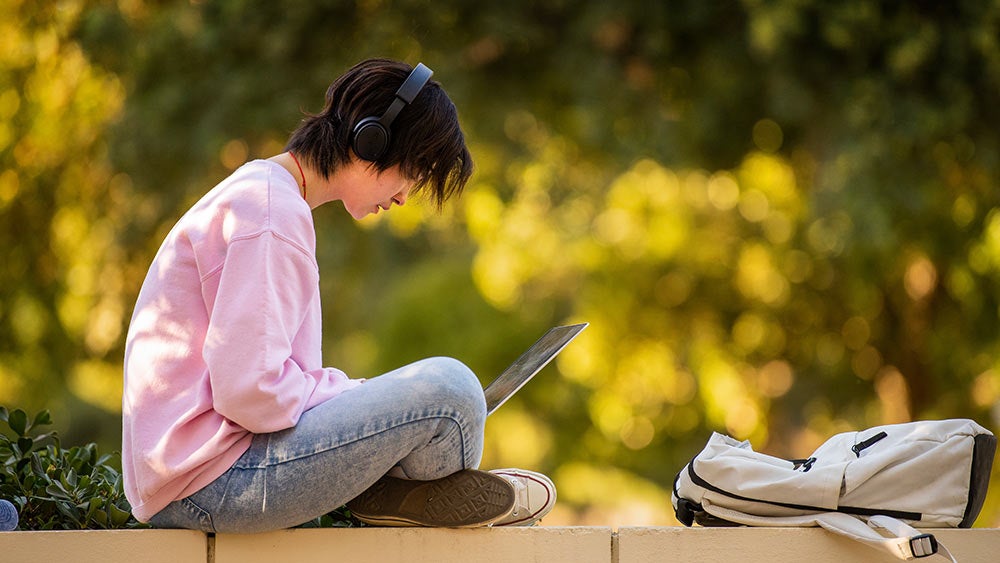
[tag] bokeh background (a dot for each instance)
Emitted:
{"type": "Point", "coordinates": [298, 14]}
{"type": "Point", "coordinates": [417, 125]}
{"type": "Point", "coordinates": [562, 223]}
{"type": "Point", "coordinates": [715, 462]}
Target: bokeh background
{"type": "Point", "coordinates": [781, 218]}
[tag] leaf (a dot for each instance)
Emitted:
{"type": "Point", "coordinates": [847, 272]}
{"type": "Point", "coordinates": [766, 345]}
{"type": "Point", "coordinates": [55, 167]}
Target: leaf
{"type": "Point", "coordinates": [3, 414]}
{"type": "Point", "coordinates": [92, 507]}
{"type": "Point", "coordinates": [56, 490]}
{"type": "Point", "coordinates": [69, 511]}
{"type": "Point", "coordinates": [68, 479]}
{"type": "Point", "coordinates": [45, 436]}
{"type": "Point", "coordinates": [42, 418]}
{"type": "Point", "coordinates": [25, 444]}
{"type": "Point", "coordinates": [118, 516]}
{"type": "Point", "coordinates": [18, 421]}
{"type": "Point", "coordinates": [37, 467]}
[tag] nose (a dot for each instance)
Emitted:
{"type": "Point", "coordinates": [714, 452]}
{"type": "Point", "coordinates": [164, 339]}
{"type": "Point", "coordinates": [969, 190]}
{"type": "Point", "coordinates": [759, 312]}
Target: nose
{"type": "Point", "coordinates": [401, 197]}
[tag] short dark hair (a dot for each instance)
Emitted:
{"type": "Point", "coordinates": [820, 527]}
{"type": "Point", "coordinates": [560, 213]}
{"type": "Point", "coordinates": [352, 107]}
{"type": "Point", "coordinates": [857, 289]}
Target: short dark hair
{"type": "Point", "coordinates": [426, 140]}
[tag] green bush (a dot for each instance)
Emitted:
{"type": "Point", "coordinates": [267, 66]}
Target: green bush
{"type": "Point", "coordinates": [339, 518]}
{"type": "Point", "coordinates": [55, 488]}
{"type": "Point", "coordinates": [68, 489]}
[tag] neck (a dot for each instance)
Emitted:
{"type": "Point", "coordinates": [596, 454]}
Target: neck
{"type": "Point", "coordinates": [302, 174]}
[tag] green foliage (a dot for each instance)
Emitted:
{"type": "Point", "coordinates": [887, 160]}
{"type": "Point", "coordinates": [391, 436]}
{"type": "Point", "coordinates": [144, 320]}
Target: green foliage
{"type": "Point", "coordinates": [339, 518]}
{"type": "Point", "coordinates": [55, 488]}
{"type": "Point", "coordinates": [70, 489]}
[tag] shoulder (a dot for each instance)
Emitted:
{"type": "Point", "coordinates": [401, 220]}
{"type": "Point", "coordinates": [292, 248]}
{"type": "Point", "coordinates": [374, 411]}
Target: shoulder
{"type": "Point", "coordinates": [262, 196]}
{"type": "Point", "coordinates": [289, 215]}
{"type": "Point", "coordinates": [262, 188]}
{"type": "Point", "coordinates": [259, 197]}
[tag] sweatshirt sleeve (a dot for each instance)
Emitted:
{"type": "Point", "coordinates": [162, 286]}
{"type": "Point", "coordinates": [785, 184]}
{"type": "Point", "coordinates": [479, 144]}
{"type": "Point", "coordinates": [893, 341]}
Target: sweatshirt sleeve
{"type": "Point", "coordinates": [266, 287]}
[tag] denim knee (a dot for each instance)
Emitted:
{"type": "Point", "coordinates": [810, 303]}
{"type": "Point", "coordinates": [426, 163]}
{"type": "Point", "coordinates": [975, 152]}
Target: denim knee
{"type": "Point", "coordinates": [455, 384]}
{"type": "Point", "coordinates": [450, 391]}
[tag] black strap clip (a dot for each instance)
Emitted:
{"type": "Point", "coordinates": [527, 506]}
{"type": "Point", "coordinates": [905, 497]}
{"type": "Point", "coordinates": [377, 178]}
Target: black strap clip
{"type": "Point", "coordinates": [858, 448]}
{"type": "Point", "coordinates": [923, 545]}
{"type": "Point", "coordinates": [804, 464]}
{"type": "Point", "coordinates": [685, 511]}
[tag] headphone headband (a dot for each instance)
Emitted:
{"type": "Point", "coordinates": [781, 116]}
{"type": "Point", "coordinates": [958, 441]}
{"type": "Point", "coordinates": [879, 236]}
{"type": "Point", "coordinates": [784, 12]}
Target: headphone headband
{"type": "Point", "coordinates": [371, 135]}
{"type": "Point", "coordinates": [414, 83]}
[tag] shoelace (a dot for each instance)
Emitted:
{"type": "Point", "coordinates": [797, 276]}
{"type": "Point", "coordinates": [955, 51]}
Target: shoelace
{"type": "Point", "coordinates": [521, 491]}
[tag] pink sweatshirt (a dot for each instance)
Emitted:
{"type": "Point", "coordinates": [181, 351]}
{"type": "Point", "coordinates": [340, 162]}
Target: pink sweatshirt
{"type": "Point", "coordinates": [225, 339]}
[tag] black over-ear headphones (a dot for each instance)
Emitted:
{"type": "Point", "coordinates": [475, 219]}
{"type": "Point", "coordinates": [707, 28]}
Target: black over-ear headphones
{"type": "Point", "coordinates": [371, 135]}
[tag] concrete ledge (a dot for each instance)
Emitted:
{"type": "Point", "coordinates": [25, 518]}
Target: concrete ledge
{"type": "Point", "coordinates": [413, 545]}
{"type": "Point", "coordinates": [785, 545]}
{"type": "Point", "coordinates": [417, 545]}
{"type": "Point", "coordinates": [105, 546]}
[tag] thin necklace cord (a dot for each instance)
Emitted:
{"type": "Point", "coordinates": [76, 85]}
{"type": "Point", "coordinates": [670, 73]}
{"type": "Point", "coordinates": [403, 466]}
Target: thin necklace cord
{"type": "Point", "coordinates": [301, 173]}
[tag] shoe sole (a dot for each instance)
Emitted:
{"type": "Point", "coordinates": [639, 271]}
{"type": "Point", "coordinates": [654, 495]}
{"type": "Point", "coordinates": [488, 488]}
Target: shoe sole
{"type": "Point", "coordinates": [469, 498]}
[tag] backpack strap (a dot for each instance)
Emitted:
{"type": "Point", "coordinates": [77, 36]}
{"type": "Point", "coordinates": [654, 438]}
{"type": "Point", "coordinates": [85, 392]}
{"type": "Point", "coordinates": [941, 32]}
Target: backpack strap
{"type": "Point", "coordinates": [921, 545]}
{"type": "Point", "coordinates": [905, 542]}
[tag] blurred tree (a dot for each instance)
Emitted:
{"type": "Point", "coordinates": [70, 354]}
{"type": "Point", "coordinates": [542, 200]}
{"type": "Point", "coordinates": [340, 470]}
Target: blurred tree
{"type": "Point", "coordinates": [780, 218]}
{"type": "Point", "coordinates": [64, 296]}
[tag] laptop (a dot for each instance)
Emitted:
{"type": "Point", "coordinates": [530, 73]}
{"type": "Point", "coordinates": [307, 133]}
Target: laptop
{"type": "Point", "coordinates": [531, 362]}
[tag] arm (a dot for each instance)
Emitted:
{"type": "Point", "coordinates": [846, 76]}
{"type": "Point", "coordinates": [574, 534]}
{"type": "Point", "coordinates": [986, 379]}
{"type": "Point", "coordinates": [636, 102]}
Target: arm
{"type": "Point", "coordinates": [266, 288]}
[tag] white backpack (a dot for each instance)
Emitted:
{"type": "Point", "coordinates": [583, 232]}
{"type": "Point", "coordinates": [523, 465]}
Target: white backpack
{"type": "Point", "coordinates": [927, 474]}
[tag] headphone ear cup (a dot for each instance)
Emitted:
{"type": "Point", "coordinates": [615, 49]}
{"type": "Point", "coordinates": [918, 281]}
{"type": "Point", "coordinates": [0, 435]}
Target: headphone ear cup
{"type": "Point", "coordinates": [370, 139]}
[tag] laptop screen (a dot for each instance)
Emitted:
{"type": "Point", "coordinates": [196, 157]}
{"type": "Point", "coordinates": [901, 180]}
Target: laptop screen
{"type": "Point", "coordinates": [530, 363]}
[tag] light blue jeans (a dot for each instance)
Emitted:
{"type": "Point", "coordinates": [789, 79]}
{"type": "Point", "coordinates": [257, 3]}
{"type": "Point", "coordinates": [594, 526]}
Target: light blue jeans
{"type": "Point", "coordinates": [423, 421]}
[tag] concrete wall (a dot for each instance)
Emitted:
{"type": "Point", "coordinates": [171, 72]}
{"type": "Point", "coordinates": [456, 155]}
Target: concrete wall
{"type": "Point", "coordinates": [785, 545]}
{"type": "Point", "coordinates": [520, 545]}
{"type": "Point", "coordinates": [412, 545]}
{"type": "Point", "coordinates": [112, 546]}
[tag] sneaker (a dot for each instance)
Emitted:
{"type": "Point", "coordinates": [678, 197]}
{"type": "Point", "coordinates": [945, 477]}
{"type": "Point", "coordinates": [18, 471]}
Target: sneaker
{"type": "Point", "coordinates": [466, 499]}
{"type": "Point", "coordinates": [536, 495]}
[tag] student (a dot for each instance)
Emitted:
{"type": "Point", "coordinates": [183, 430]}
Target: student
{"type": "Point", "coordinates": [230, 422]}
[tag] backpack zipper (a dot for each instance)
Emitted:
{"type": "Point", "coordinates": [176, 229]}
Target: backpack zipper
{"type": "Point", "coordinates": [857, 448]}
